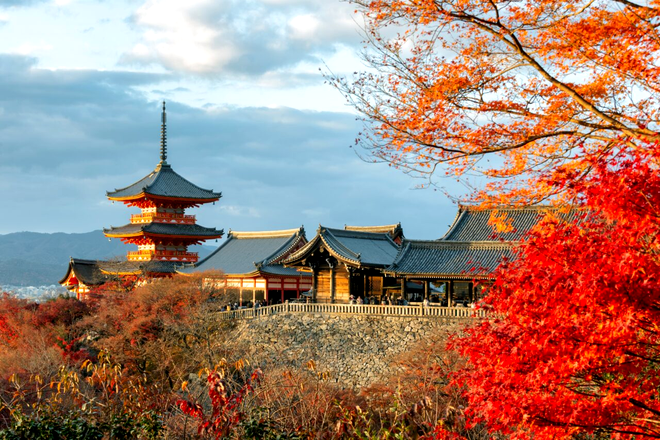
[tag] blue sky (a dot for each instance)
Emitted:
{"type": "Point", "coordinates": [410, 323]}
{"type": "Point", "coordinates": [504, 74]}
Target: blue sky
{"type": "Point", "coordinates": [249, 114]}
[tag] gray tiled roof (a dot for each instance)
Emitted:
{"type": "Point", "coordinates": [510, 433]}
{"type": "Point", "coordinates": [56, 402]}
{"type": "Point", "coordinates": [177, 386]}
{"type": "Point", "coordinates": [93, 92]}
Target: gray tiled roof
{"type": "Point", "coordinates": [357, 247]}
{"type": "Point", "coordinates": [86, 271]}
{"type": "Point", "coordinates": [96, 272]}
{"type": "Point", "coordinates": [164, 229]}
{"type": "Point", "coordinates": [165, 182]}
{"type": "Point", "coordinates": [246, 253]}
{"type": "Point", "coordinates": [395, 230]}
{"type": "Point", "coordinates": [449, 259]}
{"type": "Point", "coordinates": [472, 224]}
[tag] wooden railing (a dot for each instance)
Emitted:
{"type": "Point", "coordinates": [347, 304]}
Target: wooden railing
{"type": "Point", "coordinates": [163, 217]}
{"type": "Point", "coordinates": [163, 256]}
{"type": "Point", "coordinates": [355, 309]}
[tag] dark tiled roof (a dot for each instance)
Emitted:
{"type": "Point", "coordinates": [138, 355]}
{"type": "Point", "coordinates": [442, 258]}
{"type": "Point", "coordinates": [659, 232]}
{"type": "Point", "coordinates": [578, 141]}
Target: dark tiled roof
{"type": "Point", "coordinates": [163, 229]}
{"type": "Point", "coordinates": [97, 272]}
{"type": "Point", "coordinates": [472, 224]}
{"type": "Point", "coordinates": [245, 253]}
{"type": "Point", "coordinates": [394, 230]}
{"type": "Point", "coordinates": [356, 247]}
{"type": "Point", "coordinates": [450, 259]}
{"type": "Point", "coordinates": [165, 182]}
{"type": "Point", "coordinates": [86, 271]}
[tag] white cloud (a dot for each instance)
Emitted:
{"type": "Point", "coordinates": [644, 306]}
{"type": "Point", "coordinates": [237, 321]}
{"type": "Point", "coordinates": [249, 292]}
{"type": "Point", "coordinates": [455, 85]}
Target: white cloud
{"type": "Point", "coordinates": [32, 48]}
{"type": "Point", "coordinates": [240, 38]}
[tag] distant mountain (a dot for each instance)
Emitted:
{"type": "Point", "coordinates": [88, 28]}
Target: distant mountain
{"type": "Point", "coordinates": [36, 259]}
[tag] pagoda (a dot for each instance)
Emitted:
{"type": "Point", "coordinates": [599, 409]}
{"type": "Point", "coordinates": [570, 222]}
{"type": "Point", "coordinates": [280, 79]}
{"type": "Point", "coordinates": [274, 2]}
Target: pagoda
{"type": "Point", "coordinates": [163, 231]}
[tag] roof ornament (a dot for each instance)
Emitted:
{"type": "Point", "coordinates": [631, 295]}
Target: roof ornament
{"type": "Point", "coordinates": [163, 138]}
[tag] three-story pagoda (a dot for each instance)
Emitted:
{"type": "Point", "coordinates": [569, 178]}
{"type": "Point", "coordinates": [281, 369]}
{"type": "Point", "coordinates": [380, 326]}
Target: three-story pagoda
{"type": "Point", "coordinates": [163, 231]}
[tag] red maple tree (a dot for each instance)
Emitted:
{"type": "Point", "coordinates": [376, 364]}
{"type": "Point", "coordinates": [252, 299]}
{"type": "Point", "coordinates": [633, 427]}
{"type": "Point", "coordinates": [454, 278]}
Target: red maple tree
{"type": "Point", "coordinates": [576, 344]}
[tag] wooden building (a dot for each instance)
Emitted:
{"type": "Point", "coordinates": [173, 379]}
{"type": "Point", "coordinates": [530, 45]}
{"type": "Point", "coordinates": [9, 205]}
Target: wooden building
{"type": "Point", "coordinates": [461, 263]}
{"type": "Point", "coordinates": [83, 275]}
{"type": "Point", "coordinates": [346, 262]}
{"type": "Point", "coordinates": [163, 231]}
{"type": "Point", "coordinates": [252, 265]}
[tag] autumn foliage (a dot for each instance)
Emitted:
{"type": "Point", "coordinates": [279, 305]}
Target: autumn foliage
{"type": "Point", "coordinates": [576, 345]}
{"type": "Point", "coordinates": [510, 89]}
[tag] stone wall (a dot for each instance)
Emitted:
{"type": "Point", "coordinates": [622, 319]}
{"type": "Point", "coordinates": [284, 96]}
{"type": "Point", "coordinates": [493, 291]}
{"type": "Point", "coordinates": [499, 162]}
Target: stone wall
{"type": "Point", "coordinates": [355, 350]}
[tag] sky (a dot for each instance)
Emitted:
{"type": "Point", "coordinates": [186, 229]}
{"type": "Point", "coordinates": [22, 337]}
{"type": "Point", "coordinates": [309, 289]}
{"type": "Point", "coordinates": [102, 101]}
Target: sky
{"type": "Point", "coordinates": [249, 114]}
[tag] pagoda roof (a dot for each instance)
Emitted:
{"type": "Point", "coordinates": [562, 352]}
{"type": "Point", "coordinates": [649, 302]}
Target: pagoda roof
{"type": "Point", "coordinates": [250, 253]}
{"type": "Point", "coordinates": [164, 182]}
{"type": "Point", "coordinates": [449, 259]}
{"type": "Point", "coordinates": [357, 248]}
{"type": "Point", "coordinates": [478, 224]}
{"type": "Point", "coordinates": [163, 229]}
{"type": "Point", "coordinates": [395, 230]}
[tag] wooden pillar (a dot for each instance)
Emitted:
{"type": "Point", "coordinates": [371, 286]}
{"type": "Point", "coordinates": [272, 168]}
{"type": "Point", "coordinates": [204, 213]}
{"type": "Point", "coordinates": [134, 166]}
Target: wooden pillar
{"type": "Point", "coordinates": [266, 291]}
{"type": "Point", "coordinates": [240, 293]}
{"type": "Point", "coordinates": [426, 289]}
{"type": "Point", "coordinates": [403, 288]}
{"type": "Point", "coordinates": [450, 293]}
{"type": "Point", "coordinates": [471, 291]}
{"type": "Point", "coordinates": [332, 284]}
{"type": "Point", "coordinates": [366, 286]}
{"type": "Point", "coordinates": [254, 292]}
{"type": "Point", "coordinates": [315, 283]}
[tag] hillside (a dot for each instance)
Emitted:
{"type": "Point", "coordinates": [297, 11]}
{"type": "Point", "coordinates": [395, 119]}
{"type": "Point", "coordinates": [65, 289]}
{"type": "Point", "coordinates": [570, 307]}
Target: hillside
{"type": "Point", "coordinates": [35, 259]}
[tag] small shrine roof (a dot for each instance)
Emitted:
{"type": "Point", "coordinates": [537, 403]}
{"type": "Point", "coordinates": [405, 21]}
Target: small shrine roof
{"type": "Point", "coordinates": [245, 253]}
{"type": "Point", "coordinates": [355, 247]}
{"type": "Point", "coordinates": [87, 272]}
{"type": "Point", "coordinates": [164, 182]}
{"type": "Point", "coordinates": [449, 259]}
{"type": "Point", "coordinates": [165, 229]}
{"type": "Point", "coordinates": [501, 223]}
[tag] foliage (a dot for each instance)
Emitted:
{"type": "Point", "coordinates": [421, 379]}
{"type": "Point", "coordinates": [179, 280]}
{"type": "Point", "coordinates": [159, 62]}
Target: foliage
{"type": "Point", "coordinates": [530, 85]}
{"type": "Point", "coordinates": [576, 347]}
{"type": "Point", "coordinates": [97, 403]}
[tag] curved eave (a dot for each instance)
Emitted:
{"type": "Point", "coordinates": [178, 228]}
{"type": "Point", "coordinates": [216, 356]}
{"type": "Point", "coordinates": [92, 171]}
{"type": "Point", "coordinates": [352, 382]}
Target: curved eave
{"type": "Point", "coordinates": [279, 255]}
{"type": "Point", "coordinates": [69, 274]}
{"type": "Point", "coordinates": [449, 276]}
{"type": "Point", "coordinates": [297, 257]}
{"type": "Point", "coordinates": [146, 195]}
{"type": "Point", "coordinates": [151, 234]}
{"type": "Point", "coordinates": [340, 257]}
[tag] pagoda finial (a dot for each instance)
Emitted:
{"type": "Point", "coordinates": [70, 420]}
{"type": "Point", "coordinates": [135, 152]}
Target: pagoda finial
{"type": "Point", "coordinates": [163, 138]}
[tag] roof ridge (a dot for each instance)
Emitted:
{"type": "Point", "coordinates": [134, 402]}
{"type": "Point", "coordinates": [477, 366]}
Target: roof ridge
{"type": "Point", "coordinates": [352, 233]}
{"type": "Point", "coordinates": [469, 207]}
{"type": "Point", "coordinates": [265, 234]}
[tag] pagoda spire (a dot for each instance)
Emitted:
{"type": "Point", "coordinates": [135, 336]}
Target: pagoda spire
{"type": "Point", "coordinates": [163, 138]}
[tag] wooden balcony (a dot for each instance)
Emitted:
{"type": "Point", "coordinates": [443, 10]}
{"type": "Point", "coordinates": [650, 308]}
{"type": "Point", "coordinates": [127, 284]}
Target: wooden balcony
{"type": "Point", "coordinates": [184, 257]}
{"type": "Point", "coordinates": [163, 217]}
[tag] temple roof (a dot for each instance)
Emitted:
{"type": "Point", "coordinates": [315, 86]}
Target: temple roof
{"type": "Point", "coordinates": [358, 248]}
{"type": "Point", "coordinates": [394, 230]}
{"type": "Point", "coordinates": [248, 253]}
{"type": "Point", "coordinates": [502, 223]}
{"type": "Point", "coordinates": [97, 272]}
{"type": "Point", "coordinates": [164, 229]}
{"type": "Point", "coordinates": [87, 272]}
{"type": "Point", "coordinates": [164, 182]}
{"type": "Point", "coordinates": [449, 259]}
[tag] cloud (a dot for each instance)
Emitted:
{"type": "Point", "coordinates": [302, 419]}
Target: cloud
{"type": "Point", "coordinates": [248, 38]}
{"type": "Point", "coordinates": [66, 137]}
{"type": "Point", "coordinates": [19, 3]}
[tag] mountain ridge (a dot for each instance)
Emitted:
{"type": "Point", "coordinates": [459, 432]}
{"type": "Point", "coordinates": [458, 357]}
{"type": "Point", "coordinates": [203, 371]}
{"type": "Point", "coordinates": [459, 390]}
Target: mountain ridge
{"type": "Point", "coordinates": [39, 258]}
